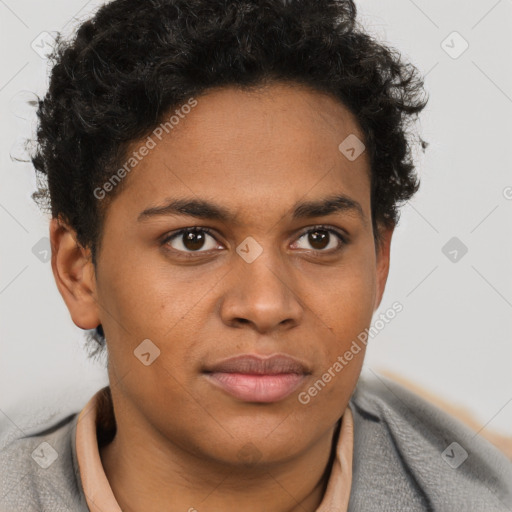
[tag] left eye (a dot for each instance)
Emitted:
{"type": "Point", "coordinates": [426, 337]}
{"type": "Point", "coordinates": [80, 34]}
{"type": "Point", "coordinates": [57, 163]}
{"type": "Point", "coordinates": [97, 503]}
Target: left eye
{"type": "Point", "coordinates": [321, 239]}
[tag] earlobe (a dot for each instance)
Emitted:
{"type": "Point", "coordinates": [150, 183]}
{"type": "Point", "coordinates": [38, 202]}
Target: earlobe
{"type": "Point", "coordinates": [383, 261]}
{"type": "Point", "coordinates": [74, 275]}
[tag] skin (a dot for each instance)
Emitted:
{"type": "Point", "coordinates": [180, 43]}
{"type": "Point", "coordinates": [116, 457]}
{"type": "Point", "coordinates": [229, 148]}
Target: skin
{"type": "Point", "coordinates": [179, 438]}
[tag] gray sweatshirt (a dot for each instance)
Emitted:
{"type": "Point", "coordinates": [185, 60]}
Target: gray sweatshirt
{"type": "Point", "coordinates": [409, 456]}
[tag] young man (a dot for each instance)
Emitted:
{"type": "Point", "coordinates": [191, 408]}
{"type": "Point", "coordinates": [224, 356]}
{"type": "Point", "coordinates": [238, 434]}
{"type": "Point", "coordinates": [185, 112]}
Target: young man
{"type": "Point", "coordinates": [224, 179]}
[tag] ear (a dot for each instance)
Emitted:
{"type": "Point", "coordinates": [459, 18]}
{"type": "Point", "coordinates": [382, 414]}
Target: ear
{"type": "Point", "coordinates": [74, 275]}
{"type": "Point", "coordinates": [383, 251]}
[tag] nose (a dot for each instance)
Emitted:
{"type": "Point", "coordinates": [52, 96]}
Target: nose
{"type": "Point", "coordinates": [261, 295]}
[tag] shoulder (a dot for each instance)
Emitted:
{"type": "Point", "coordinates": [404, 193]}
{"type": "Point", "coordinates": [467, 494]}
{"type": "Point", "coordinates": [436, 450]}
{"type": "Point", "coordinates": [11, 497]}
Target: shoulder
{"type": "Point", "coordinates": [39, 473]}
{"type": "Point", "coordinates": [419, 457]}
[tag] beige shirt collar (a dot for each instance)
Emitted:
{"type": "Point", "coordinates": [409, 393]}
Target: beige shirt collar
{"type": "Point", "coordinates": [99, 495]}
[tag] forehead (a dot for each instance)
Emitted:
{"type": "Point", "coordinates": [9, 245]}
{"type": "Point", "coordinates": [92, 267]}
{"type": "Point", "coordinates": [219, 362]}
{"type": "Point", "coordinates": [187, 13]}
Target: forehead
{"type": "Point", "coordinates": [264, 149]}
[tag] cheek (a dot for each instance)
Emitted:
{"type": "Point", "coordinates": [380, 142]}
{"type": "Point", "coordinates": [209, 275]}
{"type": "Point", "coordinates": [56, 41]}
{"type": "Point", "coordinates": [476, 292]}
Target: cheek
{"type": "Point", "coordinates": [157, 302]}
{"type": "Point", "coordinates": [352, 303]}
{"type": "Point", "coordinates": [345, 305]}
{"type": "Point", "coordinates": [347, 309]}
{"type": "Point", "coordinates": [145, 296]}
{"type": "Point", "coordinates": [342, 299]}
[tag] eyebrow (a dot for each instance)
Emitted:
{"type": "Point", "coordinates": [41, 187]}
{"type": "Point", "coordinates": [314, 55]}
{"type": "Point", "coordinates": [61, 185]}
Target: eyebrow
{"type": "Point", "coordinates": [203, 209]}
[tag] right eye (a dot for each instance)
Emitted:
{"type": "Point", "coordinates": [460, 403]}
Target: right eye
{"type": "Point", "coordinates": [190, 240]}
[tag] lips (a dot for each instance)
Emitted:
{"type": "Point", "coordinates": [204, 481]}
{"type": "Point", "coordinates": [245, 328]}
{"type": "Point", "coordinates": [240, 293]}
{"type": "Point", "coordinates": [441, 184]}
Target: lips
{"type": "Point", "coordinates": [259, 365]}
{"type": "Point", "coordinates": [253, 378]}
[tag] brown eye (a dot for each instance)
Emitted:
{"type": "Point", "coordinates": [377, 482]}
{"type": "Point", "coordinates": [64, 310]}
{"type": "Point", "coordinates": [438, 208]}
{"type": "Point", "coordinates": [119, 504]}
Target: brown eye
{"type": "Point", "coordinates": [322, 239]}
{"type": "Point", "coordinates": [191, 240]}
{"type": "Point", "coordinates": [319, 239]}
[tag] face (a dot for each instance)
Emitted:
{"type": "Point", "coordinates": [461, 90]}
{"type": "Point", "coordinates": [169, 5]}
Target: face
{"type": "Point", "coordinates": [265, 272]}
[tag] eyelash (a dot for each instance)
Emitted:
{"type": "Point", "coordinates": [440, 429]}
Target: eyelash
{"type": "Point", "coordinates": [191, 254]}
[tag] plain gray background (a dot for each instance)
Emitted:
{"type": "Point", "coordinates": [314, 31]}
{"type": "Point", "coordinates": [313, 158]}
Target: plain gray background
{"type": "Point", "coordinates": [454, 334]}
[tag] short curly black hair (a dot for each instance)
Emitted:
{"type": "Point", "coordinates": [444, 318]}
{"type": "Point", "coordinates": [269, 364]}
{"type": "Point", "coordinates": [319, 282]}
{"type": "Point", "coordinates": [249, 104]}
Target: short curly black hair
{"type": "Point", "coordinates": [128, 66]}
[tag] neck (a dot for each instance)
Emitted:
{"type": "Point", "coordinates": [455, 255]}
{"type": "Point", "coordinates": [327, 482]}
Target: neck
{"type": "Point", "coordinates": [151, 475]}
